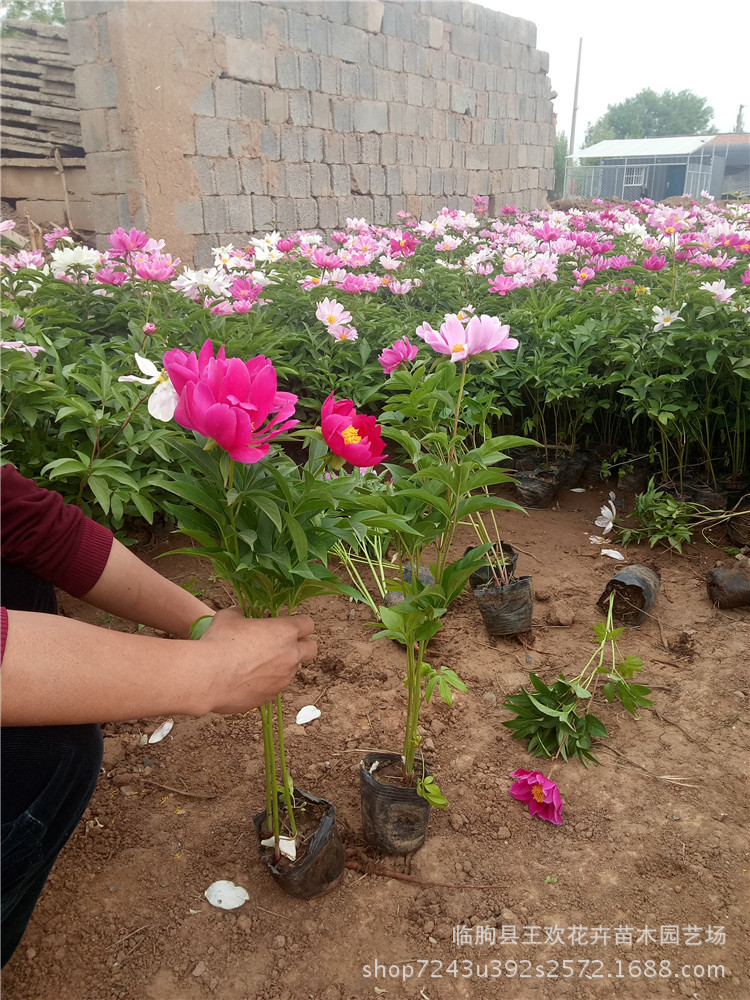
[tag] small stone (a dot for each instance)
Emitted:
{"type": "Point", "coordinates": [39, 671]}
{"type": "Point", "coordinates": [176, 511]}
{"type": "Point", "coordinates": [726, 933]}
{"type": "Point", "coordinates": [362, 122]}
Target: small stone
{"type": "Point", "coordinates": [279, 941]}
{"type": "Point", "coordinates": [127, 790]}
{"type": "Point", "coordinates": [560, 614]}
{"type": "Point", "coordinates": [676, 816]}
{"type": "Point", "coordinates": [437, 727]}
{"type": "Point", "coordinates": [429, 926]}
{"type": "Point", "coordinates": [542, 592]}
{"type": "Point", "coordinates": [503, 832]}
{"type": "Point", "coordinates": [442, 932]}
{"type": "Point", "coordinates": [490, 697]}
{"type": "Point", "coordinates": [199, 969]}
{"type": "Point", "coordinates": [114, 888]}
{"type": "Point", "coordinates": [738, 693]}
{"type": "Point", "coordinates": [456, 821]}
{"type": "Point", "coordinates": [429, 743]}
{"type": "Point", "coordinates": [432, 940]}
{"type": "Point", "coordinates": [30, 953]}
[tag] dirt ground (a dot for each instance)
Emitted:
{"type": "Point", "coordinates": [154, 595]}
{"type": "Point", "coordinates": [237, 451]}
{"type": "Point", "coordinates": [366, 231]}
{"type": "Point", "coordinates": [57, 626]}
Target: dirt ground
{"type": "Point", "coordinates": [653, 840]}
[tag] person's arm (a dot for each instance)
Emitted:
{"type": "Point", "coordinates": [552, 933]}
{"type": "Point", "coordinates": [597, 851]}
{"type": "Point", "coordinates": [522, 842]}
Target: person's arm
{"type": "Point", "coordinates": [58, 671]}
{"type": "Point", "coordinates": [129, 588]}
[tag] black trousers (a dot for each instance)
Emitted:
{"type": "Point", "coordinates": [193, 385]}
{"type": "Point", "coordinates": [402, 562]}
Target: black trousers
{"type": "Point", "coordinates": [48, 777]}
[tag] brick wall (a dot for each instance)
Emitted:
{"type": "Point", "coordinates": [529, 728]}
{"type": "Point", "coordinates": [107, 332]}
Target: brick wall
{"type": "Point", "coordinates": [207, 121]}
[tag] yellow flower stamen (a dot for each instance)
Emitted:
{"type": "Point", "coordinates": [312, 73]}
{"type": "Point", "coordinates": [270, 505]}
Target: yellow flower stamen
{"type": "Point", "coordinates": [457, 348]}
{"type": "Point", "coordinates": [351, 435]}
{"type": "Point", "coordinates": [331, 319]}
{"type": "Point", "coordinates": [538, 792]}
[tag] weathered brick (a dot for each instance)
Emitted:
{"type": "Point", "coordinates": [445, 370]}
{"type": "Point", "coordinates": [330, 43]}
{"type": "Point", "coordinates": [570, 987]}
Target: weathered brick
{"type": "Point", "coordinates": [249, 60]}
{"type": "Point", "coordinates": [214, 214]}
{"type": "Point", "coordinates": [320, 180]}
{"type": "Point", "coordinates": [394, 54]}
{"type": "Point", "coordinates": [309, 71]}
{"type": "Point", "coordinates": [349, 80]}
{"type": "Point", "coordinates": [82, 41]}
{"type": "Point", "coordinates": [203, 168]}
{"type": "Point", "coordinates": [340, 179]}
{"type": "Point", "coordinates": [227, 174]}
{"type": "Point", "coordinates": [239, 213]}
{"type": "Point", "coordinates": [360, 178]}
{"type": "Point", "coordinates": [376, 180]}
{"type": "Point", "coordinates": [269, 144]}
{"type": "Point", "coordinates": [409, 177]}
{"type": "Point", "coordinates": [343, 118]}
{"type": "Point", "coordinates": [318, 36]}
{"type": "Point", "coordinates": [369, 148]}
{"type": "Point", "coordinates": [300, 111]}
{"type": "Point", "coordinates": [321, 111]}
{"type": "Point", "coordinates": [328, 213]}
{"type": "Point", "coordinates": [330, 75]}
{"type": "Point", "coordinates": [414, 89]}
{"type": "Point", "coordinates": [94, 133]}
{"type": "Point", "coordinates": [286, 214]}
{"type": "Point", "coordinates": [276, 105]}
{"type": "Point", "coordinates": [298, 180]}
{"type": "Point", "coordinates": [435, 32]}
{"type": "Point", "coordinates": [367, 88]}
{"type": "Point", "coordinates": [189, 215]}
{"type": "Point", "coordinates": [333, 148]}
{"type": "Point", "coordinates": [109, 173]}
{"type": "Point", "coordinates": [463, 100]}
{"type": "Point", "coordinates": [263, 211]}
{"type": "Point", "coordinates": [227, 98]}
{"type": "Point", "coordinates": [227, 17]}
{"type": "Point", "coordinates": [371, 116]}
{"type": "Point", "coordinates": [298, 22]}
{"type": "Point", "coordinates": [287, 69]}
{"type": "Point", "coordinates": [307, 213]}
{"type": "Point", "coordinates": [312, 145]}
{"type": "Point", "coordinates": [96, 86]}
{"type": "Point", "coordinates": [275, 25]}
{"type": "Point", "coordinates": [393, 180]}
{"type": "Point", "coordinates": [381, 211]}
{"type": "Point", "coordinates": [253, 176]}
{"type": "Point", "coordinates": [349, 44]}
{"type": "Point", "coordinates": [252, 105]}
{"type": "Point", "coordinates": [291, 144]}
{"type": "Point", "coordinates": [377, 51]}
{"type": "Point", "coordinates": [211, 137]}
{"type": "Point", "coordinates": [203, 102]}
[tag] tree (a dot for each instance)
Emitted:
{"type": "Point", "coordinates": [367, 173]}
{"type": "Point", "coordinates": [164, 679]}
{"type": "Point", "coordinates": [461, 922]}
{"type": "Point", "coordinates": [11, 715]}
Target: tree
{"type": "Point", "coordinates": [45, 11]}
{"type": "Point", "coordinates": [650, 114]}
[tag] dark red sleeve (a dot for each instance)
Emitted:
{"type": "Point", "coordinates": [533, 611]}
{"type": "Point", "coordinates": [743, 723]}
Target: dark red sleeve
{"type": "Point", "coordinates": [53, 539]}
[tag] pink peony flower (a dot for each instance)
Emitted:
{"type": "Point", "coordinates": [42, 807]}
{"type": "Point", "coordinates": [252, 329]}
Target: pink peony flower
{"type": "Point", "coordinates": [482, 333]}
{"type": "Point", "coordinates": [124, 242]}
{"type": "Point", "coordinates": [109, 276]}
{"type": "Point", "coordinates": [17, 323]}
{"type": "Point", "coordinates": [351, 435]}
{"type": "Point", "coordinates": [18, 345]}
{"type": "Point", "coordinates": [285, 245]}
{"type": "Point", "coordinates": [745, 277]}
{"type": "Point", "coordinates": [502, 284]}
{"type": "Point", "coordinates": [542, 795]}
{"type": "Point", "coordinates": [332, 313]}
{"type": "Point", "coordinates": [398, 353]}
{"type": "Point", "coordinates": [343, 332]}
{"type": "Point", "coordinates": [156, 267]}
{"type": "Point", "coordinates": [655, 262]}
{"type": "Point", "coordinates": [230, 400]}
{"type": "Point", "coordinates": [50, 239]}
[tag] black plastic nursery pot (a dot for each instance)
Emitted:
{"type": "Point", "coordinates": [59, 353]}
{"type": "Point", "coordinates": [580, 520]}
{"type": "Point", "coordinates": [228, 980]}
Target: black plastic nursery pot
{"type": "Point", "coordinates": [322, 863]}
{"type": "Point", "coordinates": [394, 817]}
{"type": "Point", "coordinates": [573, 469]}
{"type": "Point", "coordinates": [506, 610]}
{"type": "Point", "coordinates": [636, 589]}
{"type": "Point", "coordinates": [484, 575]}
{"type": "Point", "coordinates": [729, 586]}
{"type": "Point", "coordinates": [539, 488]}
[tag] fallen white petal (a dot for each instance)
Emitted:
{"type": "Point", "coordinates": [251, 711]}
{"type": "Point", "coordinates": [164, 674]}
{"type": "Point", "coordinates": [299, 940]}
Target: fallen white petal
{"type": "Point", "coordinates": [578, 489]}
{"type": "Point", "coordinates": [613, 554]}
{"type": "Point", "coordinates": [226, 895]}
{"type": "Point", "coordinates": [164, 730]}
{"type": "Point", "coordinates": [287, 846]}
{"type": "Point", "coordinates": [374, 765]}
{"type": "Point", "coordinates": [307, 714]}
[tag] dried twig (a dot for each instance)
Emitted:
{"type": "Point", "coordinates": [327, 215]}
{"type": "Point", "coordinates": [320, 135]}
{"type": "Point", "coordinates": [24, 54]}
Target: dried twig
{"type": "Point", "coordinates": [169, 788]}
{"type": "Point", "coordinates": [123, 939]}
{"type": "Point", "coordinates": [525, 553]}
{"type": "Point", "coordinates": [670, 779]}
{"type": "Point", "coordinates": [671, 722]}
{"type": "Point", "coordinates": [403, 877]}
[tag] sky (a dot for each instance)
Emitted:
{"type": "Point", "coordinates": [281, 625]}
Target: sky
{"type": "Point", "coordinates": [628, 47]}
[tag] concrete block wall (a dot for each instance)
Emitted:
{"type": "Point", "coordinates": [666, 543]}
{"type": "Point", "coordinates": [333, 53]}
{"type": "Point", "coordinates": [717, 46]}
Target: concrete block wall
{"type": "Point", "coordinates": [301, 114]}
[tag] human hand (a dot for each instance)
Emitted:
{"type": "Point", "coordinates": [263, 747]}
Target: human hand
{"type": "Point", "coordinates": [247, 661]}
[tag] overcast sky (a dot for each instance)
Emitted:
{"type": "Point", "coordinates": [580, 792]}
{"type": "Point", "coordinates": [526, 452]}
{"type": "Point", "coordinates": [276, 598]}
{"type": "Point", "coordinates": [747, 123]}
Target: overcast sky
{"type": "Point", "coordinates": [660, 44]}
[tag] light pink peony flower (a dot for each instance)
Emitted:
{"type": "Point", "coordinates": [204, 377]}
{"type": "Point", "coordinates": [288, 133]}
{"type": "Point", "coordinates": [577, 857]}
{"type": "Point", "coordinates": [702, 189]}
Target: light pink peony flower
{"type": "Point", "coordinates": [332, 313]}
{"type": "Point", "coordinates": [398, 353]}
{"type": "Point", "coordinates": [234, 402]}
{"type": "Point", "coordinates": [541, 794]}
{"type": "Point", "coordinates": [18, 345]}
{"type": "Point", "coordinates": [124, 242]}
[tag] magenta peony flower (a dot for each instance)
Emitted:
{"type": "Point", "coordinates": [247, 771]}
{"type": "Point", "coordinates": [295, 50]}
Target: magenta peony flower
{"type": "Point", "coordinates": [351, 435]}
{"type": "Point", "coordinates": [542, 794]}
{"type": "Point", "coordinates": [655, 262]}
{"type": "Point", "coordinates": [230, 400]}
{"type": "Point", "coordinates": [398, 353]}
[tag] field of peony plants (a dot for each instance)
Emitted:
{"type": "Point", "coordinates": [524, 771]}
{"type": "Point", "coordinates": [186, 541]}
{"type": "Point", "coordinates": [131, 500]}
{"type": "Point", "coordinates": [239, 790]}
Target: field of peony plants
{"type": "Point", "coordinates": [363, 419]}
{"type": "Point", "coordinates": [632, 322]}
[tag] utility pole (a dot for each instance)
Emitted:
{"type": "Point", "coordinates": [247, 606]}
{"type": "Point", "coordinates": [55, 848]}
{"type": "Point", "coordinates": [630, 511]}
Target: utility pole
{"type": "Point", "coordinates": [575, 101]}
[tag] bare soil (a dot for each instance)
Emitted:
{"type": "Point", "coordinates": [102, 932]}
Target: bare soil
{"type": "Point", "coordinates": [654, 838]}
